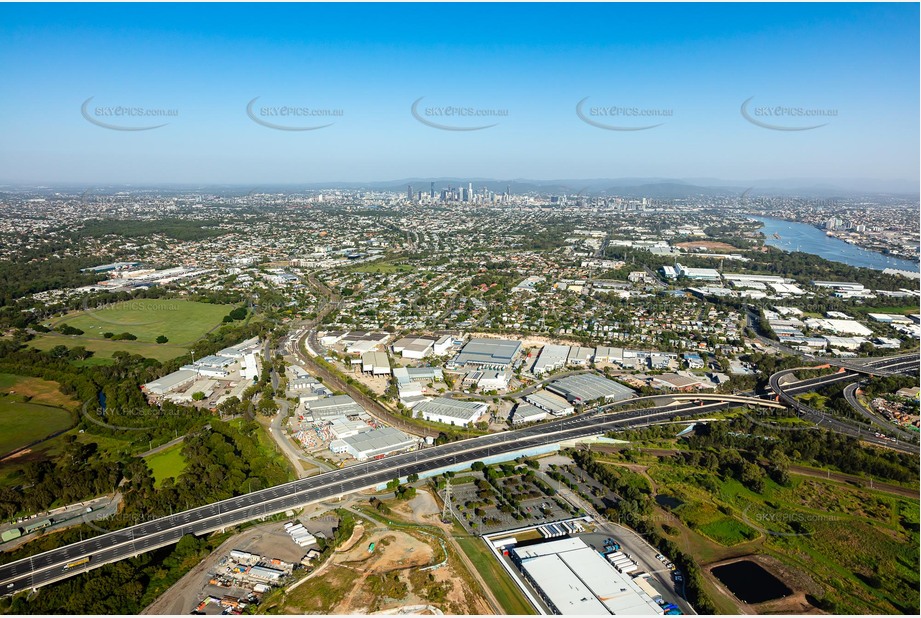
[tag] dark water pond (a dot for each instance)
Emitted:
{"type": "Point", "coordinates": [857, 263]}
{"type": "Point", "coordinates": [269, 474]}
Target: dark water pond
{"type": "Point", "coordinates": [750, 582]}
{"type": "Point", "coordinates": [669, 502]}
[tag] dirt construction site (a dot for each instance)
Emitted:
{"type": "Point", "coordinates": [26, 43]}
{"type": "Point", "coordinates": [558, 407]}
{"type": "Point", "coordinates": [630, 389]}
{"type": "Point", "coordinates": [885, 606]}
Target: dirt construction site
{"type": "Point", "coordinates": [399, 561]}
{"type": "Point", "coordinates": [384, 567]}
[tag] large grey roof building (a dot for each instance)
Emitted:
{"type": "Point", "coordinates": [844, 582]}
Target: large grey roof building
{"type": "Point", "coordinates": [527, 413]}
{"type": "Point", "coordinates": [589, 387]}
{"type": "Point", "coordinates": [494, 353]}
{"type": "Point", "coordinates": [374, 443]}
{"type": "Point", "coordinates": [552, 403]}
{"type": "Point", "coordinates": [451, 411]}
{"type": "Point", "coordinates": [331, 407]}
{"type": "Point", "coordinates": [551, 357]}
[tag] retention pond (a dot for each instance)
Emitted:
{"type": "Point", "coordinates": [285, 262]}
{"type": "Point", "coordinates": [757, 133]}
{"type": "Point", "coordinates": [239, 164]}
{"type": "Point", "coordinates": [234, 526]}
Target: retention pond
{"type": "Point", "coordinates": [750, 582]}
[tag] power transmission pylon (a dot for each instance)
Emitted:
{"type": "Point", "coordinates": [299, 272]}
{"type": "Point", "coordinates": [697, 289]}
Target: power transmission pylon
{"type": "Point", "coordinates": [447, 512]}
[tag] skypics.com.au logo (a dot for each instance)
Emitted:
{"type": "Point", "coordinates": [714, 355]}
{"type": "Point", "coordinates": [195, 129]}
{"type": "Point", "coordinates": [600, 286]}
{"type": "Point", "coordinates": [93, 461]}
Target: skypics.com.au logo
{"type": "Point", "coordinates": [785, 117]}
{"type": "Point", "coordinates": [621, 118]}
{"type": "Point", "coordinates": [455, 117]}
{"type": "Point", "coordinates": [126, 315]}
{"type": "Point", "coordinates": [125, 117]}
{"type": "Point", "coordinates": [290, 117]}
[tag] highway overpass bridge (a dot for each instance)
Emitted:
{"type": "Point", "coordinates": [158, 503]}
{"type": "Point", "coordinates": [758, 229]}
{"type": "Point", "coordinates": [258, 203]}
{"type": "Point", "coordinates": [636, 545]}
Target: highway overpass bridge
{"type": "Point", "coordinates": [70, 560]}
{"type": "Point", "coordinates": [67, 561]}
{"type": "Point", "coordinates": [786, 393]}
{"type": "Point", "coordinates": [877, 367]}
{"type": "Point", "coordinates": [694, 397]}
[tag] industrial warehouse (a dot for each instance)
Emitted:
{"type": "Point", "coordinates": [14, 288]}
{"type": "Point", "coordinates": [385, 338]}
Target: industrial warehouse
{"type": "Point", "coordinates": [527, 413]}
{"type": "Point", "coordinates": [331, 407]}
{"type": "Point", "coordinates": [374, 443]}
{"type": "Point", "coordinates": [210, 380]}
{"type": "Point", "coordinates": [550, 402]}
{"type": "Point", "coordinates": [573, 579]}
{"type": "Point", "coordinates": [488, 353]}
{"type": "Point", "coordinates": [587, 387]}
{"type": "Point", "coordinates": [451, 411]}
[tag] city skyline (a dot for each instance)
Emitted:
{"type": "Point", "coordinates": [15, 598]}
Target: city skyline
{"type": "Point", "coordinates": [705, 91]}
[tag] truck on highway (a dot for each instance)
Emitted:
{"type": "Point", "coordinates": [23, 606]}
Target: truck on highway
{"type": "Point", "coordinates": [77, 563]}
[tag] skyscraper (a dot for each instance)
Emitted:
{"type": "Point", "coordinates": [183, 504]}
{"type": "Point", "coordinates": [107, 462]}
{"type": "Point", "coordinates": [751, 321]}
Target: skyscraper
{"type": "Point", "coordinates": [409, 192]}
{"type": "Point", "coordinates": [432, 191]}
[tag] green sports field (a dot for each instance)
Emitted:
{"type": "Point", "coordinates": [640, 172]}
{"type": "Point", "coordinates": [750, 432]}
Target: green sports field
{"type": "Point", "coordinates": [182, 322]}
{"type": "Point", "coordinates": [30, 409]}
{"type": "Point", "coordinates": [168, 463]}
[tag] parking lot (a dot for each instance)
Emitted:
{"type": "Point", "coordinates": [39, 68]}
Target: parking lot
{"type": "Point", "coordinates": [601, 497]}
{"type": "Point", "coordinates": [505, 504]}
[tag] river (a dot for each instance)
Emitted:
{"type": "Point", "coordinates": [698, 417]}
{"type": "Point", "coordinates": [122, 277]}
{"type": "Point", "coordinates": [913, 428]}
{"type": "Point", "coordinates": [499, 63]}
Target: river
{"type": "Point", "coordinates": [804, 237]}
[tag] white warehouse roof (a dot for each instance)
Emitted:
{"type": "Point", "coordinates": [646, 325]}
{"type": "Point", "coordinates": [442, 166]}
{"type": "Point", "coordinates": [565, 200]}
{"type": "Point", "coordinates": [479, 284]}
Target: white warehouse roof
{"type": "Point", "coordinates": [447, 410]}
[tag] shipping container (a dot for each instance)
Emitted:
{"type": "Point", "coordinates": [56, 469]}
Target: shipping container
{"type": "Point", "coordinates": [12, 533]}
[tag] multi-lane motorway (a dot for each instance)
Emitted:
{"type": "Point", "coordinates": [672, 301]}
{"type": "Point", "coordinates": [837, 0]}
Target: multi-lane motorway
{"type": "Point", "coordinates": [53, 565]}
{"type": "Point", "coordinates": [850, 395]}
{"type": "Point", "coordinates": [787, 392]}
{"type": "Point", "coordinates": [69, 560]}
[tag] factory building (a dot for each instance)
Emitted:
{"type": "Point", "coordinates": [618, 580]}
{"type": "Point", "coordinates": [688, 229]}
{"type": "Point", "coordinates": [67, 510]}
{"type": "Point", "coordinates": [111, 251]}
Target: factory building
{"type": "Point", "coordinates": [840, 286]}
{"type": "Point", "coordinates": [579, 356]}
{"type": "Point", "coordinates": [839, 327]}
{"type": "Point", "coordinates": [529, 284]}
{"type": "Point", "coordinates": [342, 428]}
{"type": "Point", "coordinates": [414, 347]}
{"type": "Point", "coordinates": [170, 382]}
{"type": "Point", "coordinates": [212, 366]}
{"type": "Point", "coordinates": [550, 402]}
{"type": "Point", "coordinates": [551, 357]}
{"type": "Point", "coordinates": [487, 379]}
{"type": "Point", "coordinates": [589, 387]}
{"type": "Point", "coordinates": [111, 267]}
{"type": "Point", "coordinates": [680, 382]}
{"type": "Point", "coordinates": [375, 363]}
{"type": "Point", "coordinates": [745, 277]}
{"type": "Point", "coordinates": [299, 380]}
{"type": "Point", "coordinates": [574, 579]}
{"type": "Point", "coordinates": [331, 407]}
{"type": "Point", "coordinates": [489, 353]}
{"type": "Point", "coordinates": [527, 413]}
{"type": "Point", "coordinates": [374, 444]}
{"type": "Point", "coordinates": [411, 394]}
{"type": "Point", "coordinates": [241, 349]}
{"type": "Point", "coordinates": [249, 369]}
{"type": "Point", "coordinates": [697, 274]}
{"type": "Point", "coordinates": [264, 573]}
{"type": "Point", "coordinates": [354, 341]}
{"type": "Point", "coordinates": [604, 354]}
{"type": "Point", "coordinates": [443, 345]}
{"type": "Point", "coordinates": [451, 411]}
{"type": "Point", "coordinates": [405, 375]}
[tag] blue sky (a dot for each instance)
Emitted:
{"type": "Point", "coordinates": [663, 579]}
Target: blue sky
{"type": "Point", "coordinates": [535, 62]}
